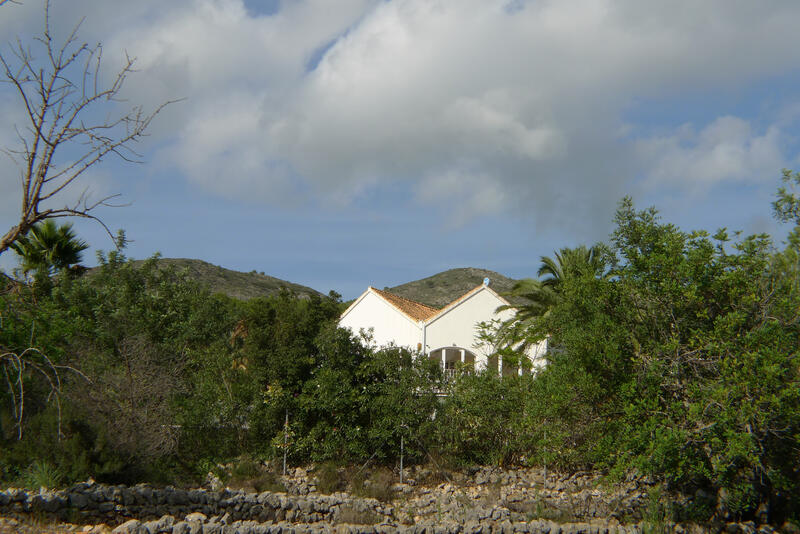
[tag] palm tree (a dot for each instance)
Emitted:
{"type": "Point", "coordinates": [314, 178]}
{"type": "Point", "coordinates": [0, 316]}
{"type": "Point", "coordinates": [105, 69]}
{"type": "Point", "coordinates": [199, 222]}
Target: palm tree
{"type": "Point", "coordinates": [542, 295]}
{"type": "Point", "coordinates": [571, 262]}
{"type": "Point", "coordinates": [49, 248]}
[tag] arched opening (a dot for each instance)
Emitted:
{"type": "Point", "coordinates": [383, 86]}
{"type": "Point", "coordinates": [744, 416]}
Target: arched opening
{"type": "Point", "coordinates": [453, 360]}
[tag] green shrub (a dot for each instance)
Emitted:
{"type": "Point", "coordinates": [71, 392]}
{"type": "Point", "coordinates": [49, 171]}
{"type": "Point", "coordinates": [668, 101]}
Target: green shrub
{"type": "Point", "coordinates": [41, 474]}
{"type": "Point", "coordinates": [377, 486]}
{"type": "Point", "coordinates": [329, 479]}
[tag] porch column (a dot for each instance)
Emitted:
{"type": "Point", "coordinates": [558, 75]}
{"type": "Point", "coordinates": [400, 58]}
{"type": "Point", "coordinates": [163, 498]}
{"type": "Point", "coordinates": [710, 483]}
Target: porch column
{"type": "Point", "coordinates": [463, 355]}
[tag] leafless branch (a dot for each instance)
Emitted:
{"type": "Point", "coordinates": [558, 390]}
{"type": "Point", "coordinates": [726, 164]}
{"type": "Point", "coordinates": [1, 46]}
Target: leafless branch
{"type": "Point", "coordinates": [16, 367]}
{"type": "Point", "coordinates": [66, 104]}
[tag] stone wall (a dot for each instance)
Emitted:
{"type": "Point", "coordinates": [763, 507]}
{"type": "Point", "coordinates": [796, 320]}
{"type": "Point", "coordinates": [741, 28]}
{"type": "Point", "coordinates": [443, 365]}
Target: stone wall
{"type": "Point", "coordinates": [480, 501]}
{"type": "Point", "coordinates": [98, 503]}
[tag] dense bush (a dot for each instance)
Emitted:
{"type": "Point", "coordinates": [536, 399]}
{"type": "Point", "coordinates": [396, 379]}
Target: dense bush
{"type": "Point", "coordinates": [683, 363]}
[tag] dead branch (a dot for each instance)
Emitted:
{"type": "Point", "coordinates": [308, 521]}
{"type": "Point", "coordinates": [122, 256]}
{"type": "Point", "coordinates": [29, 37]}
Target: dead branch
{"type": "Point", "coordinates": [17, 367]}
{"type": "Point", "coordinates": [66, 106]}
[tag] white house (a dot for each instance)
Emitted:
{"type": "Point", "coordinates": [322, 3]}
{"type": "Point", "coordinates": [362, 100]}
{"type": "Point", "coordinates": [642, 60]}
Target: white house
{"type": "Point", "coordinates": [449, 334]}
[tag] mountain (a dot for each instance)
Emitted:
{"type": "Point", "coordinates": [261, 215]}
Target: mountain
{"type": "Point", "coordinates": [234, 283]}
{"type": "Point", "coordinates": [442, 288]}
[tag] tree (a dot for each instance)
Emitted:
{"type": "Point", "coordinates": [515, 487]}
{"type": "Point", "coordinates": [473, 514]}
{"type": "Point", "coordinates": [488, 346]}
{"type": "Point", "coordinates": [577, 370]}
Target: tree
{"type": "Point", "coordinates": [571, 262]}
{"type": "Point", "coordinates": [787, 206]}
{"type": "Point", "coordinates": [70, 113]}
{"type": "Point", "coordinates": [519, 332]}
{"type": "Point", "coordinates": [683, 365]}
{"type": "Point", "coordinates": [49, 247]}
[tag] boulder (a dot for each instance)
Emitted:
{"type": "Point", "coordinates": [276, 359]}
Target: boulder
{"type": "Point", "coordinates": [130, 527]}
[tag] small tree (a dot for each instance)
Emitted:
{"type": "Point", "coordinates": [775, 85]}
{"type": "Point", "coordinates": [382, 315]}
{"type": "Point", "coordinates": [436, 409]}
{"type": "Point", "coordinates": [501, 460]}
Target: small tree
{"type": "Point", "coordinates": [66, 103]}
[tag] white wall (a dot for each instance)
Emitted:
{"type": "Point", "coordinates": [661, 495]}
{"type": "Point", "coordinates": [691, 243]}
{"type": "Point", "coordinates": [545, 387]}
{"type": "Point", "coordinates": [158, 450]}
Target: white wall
{"type": "Point", "coordinates": [458, 326]}
{"type": "Point", "coordinates": [536, 354]}
{"type": "Point", "coordinates": [389, 324]}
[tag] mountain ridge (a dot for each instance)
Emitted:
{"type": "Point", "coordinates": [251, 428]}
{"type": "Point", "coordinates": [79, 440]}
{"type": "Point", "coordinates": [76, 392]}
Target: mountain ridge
{"type": "Point", "coordinates": [442, 288]}
{"type": "Point", "coordinates": [235, 284]}
{"type": "Point", "coordinates": [436, 290]}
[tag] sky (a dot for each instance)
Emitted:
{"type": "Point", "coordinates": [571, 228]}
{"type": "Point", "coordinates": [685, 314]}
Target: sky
{"type": "Point", "coordinates": [341, 144]}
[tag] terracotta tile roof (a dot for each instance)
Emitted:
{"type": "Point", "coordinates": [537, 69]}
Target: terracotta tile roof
{"type": "Point", "coordinates": [415, 310]}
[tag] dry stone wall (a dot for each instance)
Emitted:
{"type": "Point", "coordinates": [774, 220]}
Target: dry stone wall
{"type": "Point", "coordinates": [482, 501]}
{"type": "Point", "coordinates": [95, 503]}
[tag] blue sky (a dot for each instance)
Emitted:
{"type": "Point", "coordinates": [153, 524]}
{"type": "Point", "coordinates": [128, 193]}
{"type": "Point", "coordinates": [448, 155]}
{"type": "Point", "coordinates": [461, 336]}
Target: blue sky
{"type": "Point", "coordinates": [358, 142]}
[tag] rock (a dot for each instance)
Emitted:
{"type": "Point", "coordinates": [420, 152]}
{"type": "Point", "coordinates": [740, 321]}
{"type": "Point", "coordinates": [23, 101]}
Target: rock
{"type": "Point", "coordinates": [177, 498]}
{"type": "Point", "coordinates": [212, 481]}
{"type": "Point", "coordinates": [160, 525]}
{"type": "Point", "coordinates": [196, 516]}
{"type": "Point", "coordinates": [130, 527]}
{"type": "Point", "coordinates": [143, 494]}
{"type": "Point", "coordinates": [53, 504]}
{"type": "Point", "coordinates": [105, 507]}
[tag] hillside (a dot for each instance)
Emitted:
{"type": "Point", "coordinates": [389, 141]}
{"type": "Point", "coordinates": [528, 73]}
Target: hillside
{"type": "Point", "coordinates": [234, 283]}
{"type": "Point", "coordinates": [442, 288]}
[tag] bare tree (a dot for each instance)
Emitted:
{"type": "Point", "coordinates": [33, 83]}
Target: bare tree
{"type": "Point", "coordinates": [17, 367]}
{"type": "Point", "coordinates": [66, 104]}
{"type": "Point", "coordinates": [134, 397]}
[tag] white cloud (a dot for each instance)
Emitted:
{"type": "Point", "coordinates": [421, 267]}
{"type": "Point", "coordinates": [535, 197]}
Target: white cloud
{"type": "Point", "coordinates": [461, 196]}
{"type": "Point", "coordinates": [525, 105]}
{"type": "Point", "coordinates": [725, 150]}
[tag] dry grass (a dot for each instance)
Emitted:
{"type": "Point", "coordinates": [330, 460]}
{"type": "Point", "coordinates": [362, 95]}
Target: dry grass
{"type": "Point", "coordinates": [249, 475]}
{"type": "Point", "coordinates": [329, 478]}
{"type": "Point", "coordinates": [376, 485]}
{"type": "Point", "coordinates": [350, 516]}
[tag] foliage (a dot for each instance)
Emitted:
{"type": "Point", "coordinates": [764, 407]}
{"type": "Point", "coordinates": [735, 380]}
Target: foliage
{"type": "Point", "coordinates": [682, 363]}
{"type": "Point", "coordinates": [126, 330]}
{"type": "Point", "coordinates": [41, 474]}
{"type": "Point", "coordinates": [358, 402]}
{"type": "Point", "coordinates": [787, 206]}
{"type": "Point", "coordinates": [483, 423]}
{"type": "Point", "coordinates": [239, 285]}
{"type": "Point", "coordinates": [328, 478]}
{"type": "Point", "coordinates": [49, 247]}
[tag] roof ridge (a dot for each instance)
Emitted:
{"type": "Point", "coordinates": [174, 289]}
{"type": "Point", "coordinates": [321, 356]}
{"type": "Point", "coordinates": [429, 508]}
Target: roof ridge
{"type": "Point", "coordinates": [406, 299]}
{"type": "Point", "coordinates": [413, 309]}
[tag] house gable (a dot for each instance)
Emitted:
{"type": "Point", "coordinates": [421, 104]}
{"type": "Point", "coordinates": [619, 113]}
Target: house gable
{"type": "Point", "coordinates": [449, 334]}
{"type": "Point", "coordinates": [391, 321]}
{"type": "Point", "coordinates": [457, 324]}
